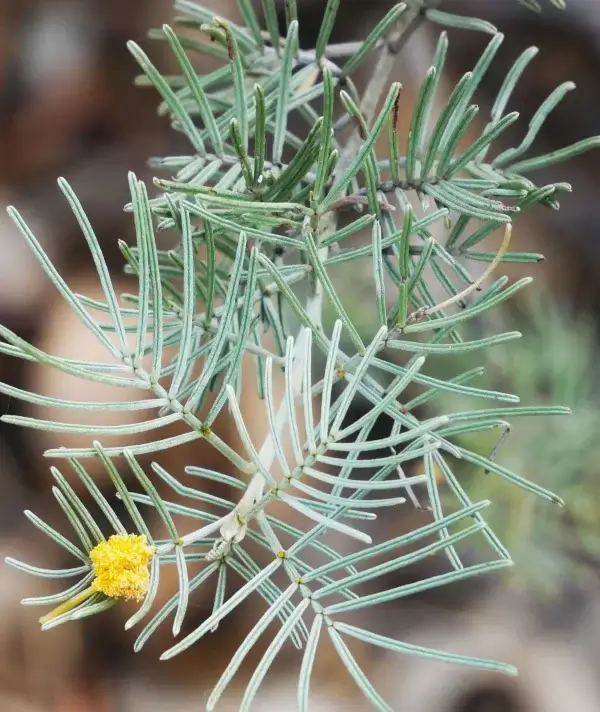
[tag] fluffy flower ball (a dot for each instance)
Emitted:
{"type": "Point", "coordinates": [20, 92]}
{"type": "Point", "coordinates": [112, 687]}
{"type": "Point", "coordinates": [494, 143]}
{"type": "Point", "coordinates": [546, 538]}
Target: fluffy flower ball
{"type": "Point", "coordinates": [121, 566]}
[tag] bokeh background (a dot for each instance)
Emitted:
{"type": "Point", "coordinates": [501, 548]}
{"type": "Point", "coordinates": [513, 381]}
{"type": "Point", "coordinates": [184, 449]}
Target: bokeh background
{"type": "Point", "coordinates": [68, 108]}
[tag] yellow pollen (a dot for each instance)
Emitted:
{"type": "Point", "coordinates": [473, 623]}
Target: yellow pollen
{"type": "Point", "coordinates": [121, 566]}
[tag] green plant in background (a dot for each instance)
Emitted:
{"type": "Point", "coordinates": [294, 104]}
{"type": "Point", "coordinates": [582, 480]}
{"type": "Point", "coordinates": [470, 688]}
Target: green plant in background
{"type": "Point", "coordinates": [257, 209]}
{"type": "Point", "coordinates": [555, 359]}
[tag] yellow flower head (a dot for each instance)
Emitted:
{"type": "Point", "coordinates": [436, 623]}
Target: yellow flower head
{"type": "Point", "coordinates": [121, 566]}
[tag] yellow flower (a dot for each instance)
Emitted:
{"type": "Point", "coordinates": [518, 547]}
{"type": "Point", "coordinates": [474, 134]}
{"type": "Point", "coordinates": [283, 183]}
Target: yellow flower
{"type": "Point", "coordinates": [120, 571]}
{"type": "Point", "coordinates": [121, 566]}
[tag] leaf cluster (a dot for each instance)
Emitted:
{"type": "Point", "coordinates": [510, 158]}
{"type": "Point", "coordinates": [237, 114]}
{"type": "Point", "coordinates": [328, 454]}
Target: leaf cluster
{"type": "Point", "coordinates": [256, 210]}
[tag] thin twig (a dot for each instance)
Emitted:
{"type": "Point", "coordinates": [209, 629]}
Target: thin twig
{"type": "Point", "coordinates": [392, 46]}
{"type": "Point", "coordinates": [426, 311]}
{"type": "Point", "coordinates": [505, 433]}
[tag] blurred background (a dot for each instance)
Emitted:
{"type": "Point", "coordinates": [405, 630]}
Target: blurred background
{"type": "Point", "coordinates": [68, 108]}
